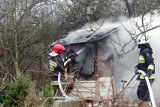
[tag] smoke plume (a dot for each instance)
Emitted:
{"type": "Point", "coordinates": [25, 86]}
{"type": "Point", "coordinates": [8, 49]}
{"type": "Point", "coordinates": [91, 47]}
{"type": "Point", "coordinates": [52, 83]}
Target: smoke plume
{"type": "Point", "coordinates": [125, 56]}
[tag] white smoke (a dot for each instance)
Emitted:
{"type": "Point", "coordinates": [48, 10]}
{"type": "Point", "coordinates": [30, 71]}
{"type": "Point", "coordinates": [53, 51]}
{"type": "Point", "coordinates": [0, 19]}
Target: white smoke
{"type": "Point", "coordinates": [124, 65]}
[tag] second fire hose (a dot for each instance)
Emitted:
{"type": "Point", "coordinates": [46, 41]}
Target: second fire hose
{"type": "Point", "coordinates": [149, 87]}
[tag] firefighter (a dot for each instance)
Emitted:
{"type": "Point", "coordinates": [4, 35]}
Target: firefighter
{"type": "Point", "coordinates": [56, 65]}
{"type": "Point", "coordinates": [72, 67]}
{"type": "Point", "coordinates": [146, 64]}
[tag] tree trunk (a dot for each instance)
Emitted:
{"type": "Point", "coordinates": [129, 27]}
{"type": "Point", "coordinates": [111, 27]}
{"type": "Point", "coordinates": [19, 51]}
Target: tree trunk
{"type": "Point", "coordinates": [130, 12]}
{"type": "Point", "coordinates": [17, 56]}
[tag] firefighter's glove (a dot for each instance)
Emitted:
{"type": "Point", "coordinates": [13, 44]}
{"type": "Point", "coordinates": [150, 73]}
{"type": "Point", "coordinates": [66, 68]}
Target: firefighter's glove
{"type": "Point", "coordinates": [72, 56]}
{"type": "Point", "coordinates": [149, 73]}
{"type": "Point", "coordinates": [136, 71]}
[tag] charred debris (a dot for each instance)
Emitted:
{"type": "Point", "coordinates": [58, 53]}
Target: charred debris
{"type": "Point", "coordinates": [94, 58]}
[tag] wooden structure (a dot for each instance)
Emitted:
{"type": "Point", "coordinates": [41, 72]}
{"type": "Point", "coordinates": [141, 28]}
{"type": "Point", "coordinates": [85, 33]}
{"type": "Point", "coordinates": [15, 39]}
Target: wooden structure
{"type": "Point", "coordinates": [94, 83]}
{"type": "Point", "coordinates": [96, 54]}
{"type": "Point", "coordinates": [94, 91]}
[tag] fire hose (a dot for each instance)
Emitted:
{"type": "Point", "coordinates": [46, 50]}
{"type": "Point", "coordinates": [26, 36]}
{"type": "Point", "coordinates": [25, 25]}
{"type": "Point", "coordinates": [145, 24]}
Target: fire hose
{"type": "Point", "coordinates": [59, 76]}
{"type": "Point", "coordinates": [149, 87]}
{"type": "Point", "coordinates": [60, 87]}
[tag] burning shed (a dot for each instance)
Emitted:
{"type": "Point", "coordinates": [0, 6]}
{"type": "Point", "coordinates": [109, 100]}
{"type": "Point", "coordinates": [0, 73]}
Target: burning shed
{"type": "Point", "coordinates": [94, 62]}
{"type": "Point", "coordinates": [94, 57]}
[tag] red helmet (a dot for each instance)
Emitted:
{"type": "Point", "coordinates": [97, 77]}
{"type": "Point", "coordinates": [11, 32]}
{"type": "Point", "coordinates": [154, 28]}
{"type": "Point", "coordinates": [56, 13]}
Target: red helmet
{"type": "Point", "coordinates": [58, 48]}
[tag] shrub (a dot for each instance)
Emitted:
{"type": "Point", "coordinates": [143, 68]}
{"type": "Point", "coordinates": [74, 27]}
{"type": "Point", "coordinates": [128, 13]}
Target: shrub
{"type": "Point", "coordinates": [16, 92]}
{"type": "Point", "coordinates": [47, 91]}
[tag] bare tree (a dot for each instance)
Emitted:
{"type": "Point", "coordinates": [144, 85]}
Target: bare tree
{"type": "Point", "coordinates": [139, 29]}
{"type": "Point", "coordinates": [19, 25]}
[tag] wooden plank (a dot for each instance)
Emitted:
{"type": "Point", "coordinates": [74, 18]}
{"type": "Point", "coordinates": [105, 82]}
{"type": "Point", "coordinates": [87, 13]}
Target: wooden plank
{"type": "Point", "coordinates": [85, 89]}
{"type": "Point", "coordinates": [64, 103]}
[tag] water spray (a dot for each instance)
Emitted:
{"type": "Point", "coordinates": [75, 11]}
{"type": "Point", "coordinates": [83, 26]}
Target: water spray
{"type": "Point", "coordinates": [59, 76]}
{"type": "Point", "coordinates": [149, 87]}
{"type": "Point", "coordinates": [68, 60]}
{"type": "Point", "coordinates": [80, 51]}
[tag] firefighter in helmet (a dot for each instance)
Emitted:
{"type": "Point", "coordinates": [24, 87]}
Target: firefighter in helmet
{"type": "Point", "coordinates": [56, 66]}
{"type": "Point", "coordinates": [146, 64]}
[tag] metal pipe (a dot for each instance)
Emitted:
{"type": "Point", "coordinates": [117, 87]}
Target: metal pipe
{"type": "Point", "coordinates": [149, 87]}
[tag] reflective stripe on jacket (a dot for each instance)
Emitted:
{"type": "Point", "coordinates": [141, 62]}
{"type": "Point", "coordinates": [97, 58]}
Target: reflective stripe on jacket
{"type": "Point", "coordinates": [56, 83]}
{"type": "Point", "coordinates": [151, 77]}
{"type": "Point", "coordinates": [146, 61]}
{"type": "Point", "coordinates": [52, 65]}
{"type": "Point", "coordinates": [56, 64]}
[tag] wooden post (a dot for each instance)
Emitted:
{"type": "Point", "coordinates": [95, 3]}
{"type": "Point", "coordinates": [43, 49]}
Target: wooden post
{"type": "Point", "coordinates": [123, 82]}
{"type": "Point", "coordinates": [95, 60]}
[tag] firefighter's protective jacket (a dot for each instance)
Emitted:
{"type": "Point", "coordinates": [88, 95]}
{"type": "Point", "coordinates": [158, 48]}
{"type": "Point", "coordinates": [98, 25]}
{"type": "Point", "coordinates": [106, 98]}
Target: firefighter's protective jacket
{"type": "Point", "coordinates": [146, 60]}
{"type": "Point", "coordinates": [56, 65]}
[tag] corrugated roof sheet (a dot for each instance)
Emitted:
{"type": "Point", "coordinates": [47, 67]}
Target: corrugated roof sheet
{"type": "Point", "coordinates": [86, 36]}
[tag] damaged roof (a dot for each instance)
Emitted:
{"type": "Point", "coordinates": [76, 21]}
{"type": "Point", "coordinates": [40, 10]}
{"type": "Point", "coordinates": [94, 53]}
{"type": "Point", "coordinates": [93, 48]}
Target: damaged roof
{"type": "Point", "coordinates": [86, 36]}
